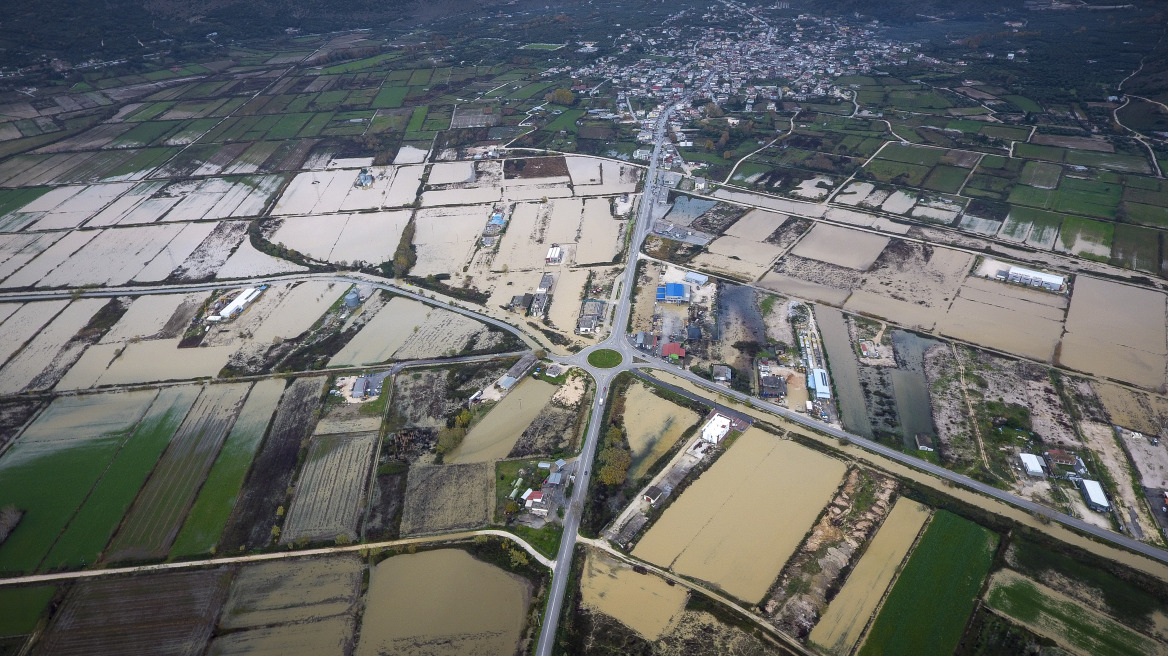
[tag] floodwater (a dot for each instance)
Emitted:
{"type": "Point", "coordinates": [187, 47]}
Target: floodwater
{"type": "Point", "coordinates": [643, 602]}
{"type": "Point", "coordinates": [845, 370]}
{"type": "Point", "coordinates": [422, 604]}
{"type": "Point", "coordinates": [292, 591]}
{"type": "Point", "coordinates": [853, 249]}
{"type": "Point", "coordinates": [1132, 350]}
{"type": "Point", "coordinates": [909, 386]}
{"type": "Point", "coordinates": [847, 615]}
{"type": "Point", "coordinates": [383, 334]}
{"type": "Point", "coordinates": [495, 436]}
{"type": "Point", "coordinates": [686, 209]}
{"type": "Point", "coordinates": [739, 319]}
{"type": "Point", "coordinates": [653, 425]}
{"type": "Point", "coordinates": [740, 521]}
{"type": "Point", "coordinates": [143, 362]}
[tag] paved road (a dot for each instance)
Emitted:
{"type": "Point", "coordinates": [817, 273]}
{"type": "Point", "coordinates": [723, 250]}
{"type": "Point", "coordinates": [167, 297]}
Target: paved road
{"type": "Point", "coordinates": [278, 555]}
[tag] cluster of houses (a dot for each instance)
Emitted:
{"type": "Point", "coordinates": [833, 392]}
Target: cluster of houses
{"type": "Point", "coordinates": [1058, 463]}
{"type": "Point", "coordinates": [591, 317]}
{"type": "Point", "coordinates": [538, 502]}
{"type": "Point", "coordinates": [535, 303]}
{"type": "Point", "coordinates": [495, 226]}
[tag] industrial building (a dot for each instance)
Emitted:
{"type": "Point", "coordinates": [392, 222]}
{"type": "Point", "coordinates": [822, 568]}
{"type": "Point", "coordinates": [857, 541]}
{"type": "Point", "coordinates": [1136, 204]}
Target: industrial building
{"type": "Point", "coordinates": [674, 292]}
{"type": "Point", "coordinates": [1023, 276]}
{"type": "Point", "coordinates": [1094, 496]}
{"type": "Point", "coordinates": [1032, 465]}
{"type": "Point", "coordinates": [238, 304]}
{"type": "Point", "coordinates": [518, 371]}
{"type": "Point", "coordinates": [819, 381]}
{"type": "Point", "coordinates": [696, 278]}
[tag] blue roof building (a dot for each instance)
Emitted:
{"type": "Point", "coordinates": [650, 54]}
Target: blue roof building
{"type": "Point", "coordinates": [673, 292]}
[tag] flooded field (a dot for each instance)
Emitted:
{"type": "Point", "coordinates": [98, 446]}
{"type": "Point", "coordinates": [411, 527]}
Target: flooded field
{"type": "Point", "coordinates": [384, 333]}
{"type": "Point", "coordinates": [847, 248]}
{"type": "Point", "coordinates": [247, 262]}
{"type": "Point", "coordinates": [1133, 350]}
{"type": "Point", "coordinates": [599, 233]}
{"type": "Point", "coordinates": [757, 225]}
{"type": "Point", "coordinates": [740, 258]}
{"type": "Point", "coordinates": [911, 284]}
{"type": "Point", "coordinates": [23, 323]}
{"type": "Point", "coordinates": [445, 238]}
{"type": "Point", "coordinates": [845, 371]}
{"type": "Point", "coordinates": [46, 357]}
{"type": "Point", "coordinates": [841, 626]}
{"type": "Point", "coordinates": [365, 237]}
{"type": "Point", "coordinates": [983, 306]}
{"type": "Point", "coordinates": [643, 602]}
{"type": "Point", "coordinates": [800, 288]}
{"type": "Point", "coordinates": [495, 436]}
{"type": "Point", "coordinates": [423, 605]}
{"type": "Point", "coordinates": [910, 387]}
{"type": "Point", "coordinates": [653, 428]}
{"type": "Point", "coordinates": [294, 591]}
{"type": "Point", "coordinates": [141, 362]}
{"type": "Point", "coordinates": [737, 524]}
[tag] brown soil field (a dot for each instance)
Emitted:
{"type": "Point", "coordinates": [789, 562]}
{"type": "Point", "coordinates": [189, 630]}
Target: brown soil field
{"type": "Point", "coordinates": [796, 287]}
{"type": "Point", "coordinates": [740, 258]}
{"type": "Point", "coordinates": [347, 418]}
{"type": "Point", "coordinates": [554, 430]}
{"type": "Point", "coordinates": [820, 273]}
{"type": "Point", "coordinates": [839, 629]}
{"type": "Point", "coordinates": [171, 613]}
{"type": "Point", "coordinates": [853, 249]}
{"type": "Point", "coordinates": [789, 232]}
{"type": "Point", "coordinates": [950, 413]}
{"type": "Point", "coordinates": [447, 498]}
{"type": "Point", "coordinates": [153, 521]}
{"type": "Point", "coordinates": [290, 592]}
{"type": "Point", "coordinates": [426, 397]}
{"type": "Point", "coordinates": [642, 602]}
{"type": "Point", "coordinates": [800, 595]}
{"type": "Point", "coordinates": [266, 487]}
{"type": "Point", "coordinates": [385, 507]}
{"type": "Point", "coordinates": [911, 284]}
{"type": "Point", "coordinates": [1146, 413]}
{"type": "Point", "coordinates": [535, 167]}
{"type": "Point", "coordinates": [1133, 350]}
{"type": "Point", "coordinates": [738, 523]}
{"type": "Point", "coordinates": [424, 606]}
{"type": "Point", "coordinates": [331, 488]}
{"type": "Point", "coordinates": [14, 414]}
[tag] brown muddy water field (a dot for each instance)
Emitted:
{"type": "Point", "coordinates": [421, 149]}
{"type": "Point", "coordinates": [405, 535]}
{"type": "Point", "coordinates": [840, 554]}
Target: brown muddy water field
{"type": "Point", "coordinates": [495, 436]}
{"type": "Point", "coordinates": [421, 604]}
{"type": "Point", "coordinates": [643, 602]}
{"type": "Point", "coordinates": [654, 428]}
{"type": "Point", "coordinates": [738, 523]}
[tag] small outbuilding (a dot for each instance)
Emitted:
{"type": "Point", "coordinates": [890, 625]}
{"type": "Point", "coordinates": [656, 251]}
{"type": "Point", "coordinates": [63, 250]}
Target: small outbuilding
{"type": "Point", "coordinates": [924, 442]}
{"type": "Point", "coordinates": [653, 495]}
{"type": "Point", "coordinates": [721, 373]}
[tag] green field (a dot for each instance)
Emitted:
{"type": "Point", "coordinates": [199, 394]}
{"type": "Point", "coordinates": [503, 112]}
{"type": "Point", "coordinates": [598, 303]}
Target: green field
{"type": "Point", "coordinates": [147, 112]}
{"type": "Point", "coordinates": [1113, 161]}
{"type": "Point", "coordinates": [99, 516]}
{"type": "Point", "coordinates": [205, 523]}
{"type": "Point", "coordinates": [1023, 103]}
{"type": "Point", "coordinates": [51, 468]}
{"type": "Point", "coordinates": [360, 64]}
{"type": "Point", "coordinates": [897, 172]}
{"type": "Point", "coordinates": [390, 97]}
{"type": "Point", "coordinates": [420, 77]}
{"type": "Point", "coordinates": [316, 124]}
{"type": "Point", "coordinates": [946, 179]}
{"type": "Point", "coordinates": [1076, 626]}
{"type": "Point", "coordinates": [145, 134]}
{"type": "Point", "coordinates": [1041, 174]}
{"type": "Point", "coordinates": [1007, 132]}
{"type": "Point", "coordinates": [911, 155]}
{"type": "Point", "coordinates": [1148, 215]}
{"type": "Point", "coordinates": [1031, 197]}
{"type": "Point", "coordinates": [565, 121]}
{"type": "Point", "coordinates": [144, 160]}
{"type": "Point", "coordinates": [22, 607]}
{"type": "Point", "coordinates": [288, 126]}
{"type": "Point", "coordinates": [928, 607]}
{"type": "Point", "coordinates": [417, 119]}
{"type": "Point", "coordinates": [1136, 248]}
{"type": "Point", "coordinates": [14, 199]}
{"type": "Point", "coordinates": [1086, 237]}
{"type": "Point", "coordinates": [541, 46]}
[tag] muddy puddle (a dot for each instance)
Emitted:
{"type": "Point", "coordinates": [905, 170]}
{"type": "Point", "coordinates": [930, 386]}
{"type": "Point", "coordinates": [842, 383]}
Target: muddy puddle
{"type": "Point", "coordinates": [642, 602]}
{"type": "Point", "coordinates": [845, 619]}
{"type": "Point", "coordinates": [845, 371]}
{"type": "Point", "coordinates": [494, 437]}
{"type": "Point", "coordinates": [654, 428]}
{"type": "Point", "coordinates": [740, 521]}
{"type": "Point", "coordinates": [425, 604]}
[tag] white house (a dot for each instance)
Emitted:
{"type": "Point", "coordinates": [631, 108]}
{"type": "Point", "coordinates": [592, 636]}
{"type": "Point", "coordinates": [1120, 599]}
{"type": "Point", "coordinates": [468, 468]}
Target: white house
{"type": "Point", "coordinates": [715, 429]}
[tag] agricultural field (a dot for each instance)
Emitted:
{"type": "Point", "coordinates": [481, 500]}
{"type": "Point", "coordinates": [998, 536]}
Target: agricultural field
{"type": "Point", "coordinates": [447, 498]}
{"type": "Point", "coordinates": [931, 601]}
{"type": "Point", "coordinates": [331, 488]}
{"type": "Point", "coordinates": [711, 532]}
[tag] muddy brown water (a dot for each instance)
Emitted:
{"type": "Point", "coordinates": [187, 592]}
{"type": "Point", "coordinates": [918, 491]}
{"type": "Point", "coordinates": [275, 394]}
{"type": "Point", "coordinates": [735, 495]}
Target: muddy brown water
{"type": "Point", "coordinates": [442, 602]}
{"type": "Point", "coordinates": [739, 319]}
{"type": "Point", "coordinates": [644, 603]}
{"type": "Point", "coordinates": [740, 521]}
{"type": "Point", "coordinates": [841, 626]}
{"type": "Point", "coordinates": [653, 428]}
{"type": "Point", "coordinates": [845, 370]}
{"type": "Point", "coordinates": [910, 389]}
{"type": "Point", "coordinates": [494, 437]}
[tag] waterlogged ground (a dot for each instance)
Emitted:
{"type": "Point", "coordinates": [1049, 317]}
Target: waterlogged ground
{"type": "Point", "coordinates": [421, 604]}
{"type": "Point", "coordinates": [643, 602]}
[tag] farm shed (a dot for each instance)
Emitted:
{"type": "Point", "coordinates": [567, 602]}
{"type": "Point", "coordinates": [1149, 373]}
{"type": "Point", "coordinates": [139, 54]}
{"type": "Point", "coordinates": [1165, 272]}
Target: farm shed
{"type": "Point", "coordinates": [1034, 278]}
{"type": "Point", "coordinates": [722, 373]}
{"type": "Point", "coordinates": [555, 255]}
{"type": "Point", "coordinates": [696, 278]}
{"type": "Point", "coordinates": [1032, 465]}
{"type": "Point", "coordinates": [653, 494]}
{"type": "Point", "coordinates": [1094, 496]}
{"type": "Point", "coordinates": [821, 383]}
{"type": "Point", "coordinates": [517, 371]}
{"type": "Point", "coordinates": [924, 442]}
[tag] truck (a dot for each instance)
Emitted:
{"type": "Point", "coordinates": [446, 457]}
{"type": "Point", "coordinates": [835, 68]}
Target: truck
{"type": "Point", "coordinates": [810, 407]}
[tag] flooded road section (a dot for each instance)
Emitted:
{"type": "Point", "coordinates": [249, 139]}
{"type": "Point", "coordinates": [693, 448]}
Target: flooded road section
{"type": "Point", "coordinates": [421, 604]}
{"type": "Point", "coordinates": [845, 370]}
{"type": "Point", "coordinates": [738, 523]}
{"type": "Point", "coordinates": [848, 614]}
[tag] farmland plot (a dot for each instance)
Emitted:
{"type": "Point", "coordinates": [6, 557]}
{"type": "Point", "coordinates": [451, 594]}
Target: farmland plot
{"type": "Point", "coordinates": [370, 237]}
{"type": "Point", "coordinates": [447, 498]}
{"type": "Point", "coordinates": [385, 333]}
{"type": "Point", "coordinates": [329, 494]}
{"type": "Point", "coordinates": [213, 506]}
{"type": "Point", "coordinates": [442, 333]}
{"type": "Point", "coordinates": [18, 250]}
{"type": "Point", "coordinates": [495, 436]}
{"type": "Point", "coordinates": [520, 249]}
{"type": "Point", "coordinates": [47, 356]}
{"type": "Point", "coordinates": [646, 604]}
{"type": "Point", "coordinates": [840, 246]}
{"type": "Point", "coordinates": [654, 428]}
{"type": "Point", "coordinates": [599, 233]}
{"type": "Point", "coordinates": [246, 262]}
{"type": "Point", "coordinates": [153, 522]}
{"type": "Point", "coordinates": [98, 518]}
{"type": "Point", "coordinates": [289, 592]}
{"type": "Point", "coordinates": [445, 238]}
{"type": "Point", "coordinates": [170, 613]}
{"type": "Point", "coordinates": [1132, 350]}
{"type": "Point", "coordinates": [66, 450]}
{"type": "Point", "coordinates": [69, 207]}
{"type": "Point", "coordinates": [429, 609]}
{"type": "Point", "coordinates": [737, 524]}
{"type": "Point", "coordinates": [113, 257]}
{"type": "Point", "coordinates": [266, 488]}
{"type": "Point", "coordinates": [50, 258]}
{"type": "Point", "coordinates": [143, 362]}
{"type": "Point", "coordinates": [23, 324]}
{"type": "Point", "coordinates": [126, 205]}
{"type": "Point", "coordinates": [212, 255]}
